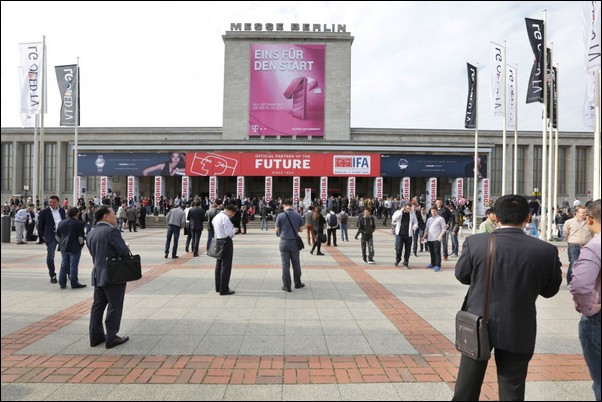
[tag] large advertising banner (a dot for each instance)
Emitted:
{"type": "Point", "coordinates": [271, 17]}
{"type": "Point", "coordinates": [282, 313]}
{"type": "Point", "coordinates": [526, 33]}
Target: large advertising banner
{"type": "Point", "coordinates": [240, 187]}
{"type": "Point", "coordinates": [281, 164]}
{"type": "Point", "coordinates": [431, 192]}
{"type": "Point", "coordinates": [405, 188]}
{"type": "Point", "coordinates": [131, 164]}
{"type": "Point", "coordinates": [212, 188]}
{"type": "Point", "coordinates": [351, 187]}
{"type": "Point", "coordinates": [105, 186]}
{"type": "Point", "coordinates": [482, 196]}
{"type": "Point", "coordinates": [324, 190]}
{"type": "Point", "coordinates": [378, 188]}
{"type": "Point", "coordinates": [401, 165]}
{"type": "Point", "coordinates": [296, 190]}
{"type": "Point", "coordinates": [186, 188]}
{"type": "Point", "coordinates": [133, 189]}
{"type": "Point", "coordinates": [158, 190]}
{"type": "Point", "coordinates": [269, 183]}
{"type": "Point", "coordinates": [287, 89]}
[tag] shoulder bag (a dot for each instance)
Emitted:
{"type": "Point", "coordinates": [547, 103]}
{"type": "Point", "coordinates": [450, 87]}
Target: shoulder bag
{"type": "Point", "coordinates": [216, 248]}
{"type": "Point", "coordinates": [298, 238]}
{"type": "Point", "coordinates": [472, 335]}
{"type": "Point", "coordinates": [124, 269]}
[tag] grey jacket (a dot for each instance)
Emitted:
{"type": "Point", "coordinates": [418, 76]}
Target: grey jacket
{"type": "Point", "coordinates": [104, 241]}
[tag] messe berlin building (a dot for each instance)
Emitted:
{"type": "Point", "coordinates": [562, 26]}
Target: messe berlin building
{"type": "Point", "coordinates": [286, 133]}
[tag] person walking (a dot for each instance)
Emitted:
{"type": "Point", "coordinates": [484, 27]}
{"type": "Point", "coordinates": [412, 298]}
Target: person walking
{"type": "Point", "coordinates": [196, 218]}
{"type": "Point", "coordinates": [585, 288]}
{"type": "Point", "coordinates": [22, 219]}
{"type": "Point", "coordinates": [70, 235]}
{"type": "Point", "coordinates": [105, 242]}
{"type": "Point", "coordinates": [523, 269]}
{"type": "Point", "coordinates": [434, 231]}
{"type": "Point", "coordinates": [406, 224]}
{"type": "Point", "coordinates": [176, 220]}
{"type": "Point", "coordinates": [223, 230]}
{"type": "Point", "coordinates": [48, 219]}
{"type": "Point", "coordinates": [288, 225]}
{"type": "Point", "coordinates": [366, 227]}
{"type": "Point", "coordinates": [309, 225]}
{"type": "Point", "coordinates": [577, 234]}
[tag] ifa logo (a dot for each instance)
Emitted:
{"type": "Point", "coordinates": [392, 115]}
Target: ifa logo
{"type": "Point", "coordinates": [351, 164]}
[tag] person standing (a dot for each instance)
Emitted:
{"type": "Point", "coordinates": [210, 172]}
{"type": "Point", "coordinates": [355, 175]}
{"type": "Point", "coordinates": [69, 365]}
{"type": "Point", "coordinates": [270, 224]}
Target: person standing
{"type": "Point", "coordinates": [331, 228]}
{"type": "Point", "coordinates": [489, 224]}
{"type": "Point", "coordinates": [406, 224]}
{"type": "Point", "coordinates": [577, 234]}
{"type": "Point", "coordinates": [434, 231]}
{"type": "Point", "coordinates": [223, 230]}
{"type": "Point", "coordinates": [105, 242]}
{"type": "Point", "coordinates": [209, 215]}
{"type": "Point", "coordinates": [288, 225]}
{"type": "Point", "coordinates": [523, 269]}
{"type": "Point", "coordinates": [48, 219]}
{"type": "Point", "coordinates": [344, 218]}
{"type": "Point", "coordinates": [176, 220]}
{"type": "Point", "coordinates": [131, 214]}
{"type": "Point", "coordinates": [443, 212]}
{"type": "Point", "coordinates": [585, 287]}
{"type": "Point", "coordinates": [196, 217]}
{"type": "Point", "coordinates": [22, 219]}
{"type": "Point", "coordinates": [366, 227]}
{"type": "Point", "coordinates": [319, 222]}
{"type": "Point", "coordinates": [309, 225]}
{"type": "Point", "coordinates": [70, 234]}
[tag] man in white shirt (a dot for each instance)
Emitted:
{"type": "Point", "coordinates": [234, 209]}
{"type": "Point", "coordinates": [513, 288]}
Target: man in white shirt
{"type": "Point", "coordinates": [223, 231]}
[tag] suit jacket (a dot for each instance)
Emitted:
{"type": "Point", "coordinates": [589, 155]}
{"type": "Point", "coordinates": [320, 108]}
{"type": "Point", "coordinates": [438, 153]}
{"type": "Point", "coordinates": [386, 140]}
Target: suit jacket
{"type": "Point", "coordinates": [524, 267]}
{"type": "Point", "coordinates": [46, 224]}
{"type": "Point", "coordinates": [68, 234]}
{"type": "Point", "coordinates": [104, 241]}
{"type": "Point", "coordinates": [196, 216]}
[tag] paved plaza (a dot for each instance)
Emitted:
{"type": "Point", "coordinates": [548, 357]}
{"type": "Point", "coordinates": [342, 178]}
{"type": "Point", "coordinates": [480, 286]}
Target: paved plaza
{"type": "Point", "coordinates": [355, 332]}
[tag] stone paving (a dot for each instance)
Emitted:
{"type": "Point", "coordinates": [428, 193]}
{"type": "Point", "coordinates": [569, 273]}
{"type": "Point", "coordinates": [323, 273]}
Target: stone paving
{"type": "Point", "coordinates": [355, 332]}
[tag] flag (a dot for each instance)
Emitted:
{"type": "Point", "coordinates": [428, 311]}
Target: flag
{"type": "Point", "coordinates": [591, 31]}
{"type": "Point", "coordinates": [497, 79]}
{"type": "Point", "coordinates": [589, 104]}
{"type": "Point", "coordinates": [471, 102]}
{"type": "Point", "coordinates": [31, 77]}
{"type": "Point", "coordinates": [510, 96]}
{"type": "Point", "coordinates": [552, 97]}
{"type": "Point", "coordinates": [67, 77]}
{"type": "Point", "coordinates": [535, 84]}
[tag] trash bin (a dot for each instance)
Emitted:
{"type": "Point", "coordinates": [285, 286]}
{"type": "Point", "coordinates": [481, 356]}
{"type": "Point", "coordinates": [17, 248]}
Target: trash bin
{"type": "Point", "coordinates": [5, 226]}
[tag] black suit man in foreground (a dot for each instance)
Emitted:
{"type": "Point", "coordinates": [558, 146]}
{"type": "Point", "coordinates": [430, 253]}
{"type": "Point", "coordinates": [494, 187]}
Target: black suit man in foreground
{"type": "Point", "coordinates": [103, 242]}
{"type": "Point", "coordinates": [523, 268]}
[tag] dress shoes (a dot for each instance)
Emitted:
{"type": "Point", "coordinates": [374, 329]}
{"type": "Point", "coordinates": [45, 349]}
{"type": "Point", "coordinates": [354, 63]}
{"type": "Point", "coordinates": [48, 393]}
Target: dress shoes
{"type": "Point", "coordinates": [299, 286]}
{"type": "Point", "coordinates": [287, 289]}
{"type": "Point", "coordinates": [195, 255]}
{"type": "Point", "coordinates": [117, 341]}
{"type": "Point", "coordinates": [166, 255]}
{"type": "Point", "coordinates": [175, 256]}
{"type": "Point", "coordinates": [78, 286]}
{"type": "Point", "coordinates": [187, 250]}
{"type": "Point", "coordinates": [53, 279]}
{"type": "Point", "coordinates": [96, 343]}
{"type": "Point", "coordinates": [320, 254]}
{"type": "Point", "coordinates": [229, 292]}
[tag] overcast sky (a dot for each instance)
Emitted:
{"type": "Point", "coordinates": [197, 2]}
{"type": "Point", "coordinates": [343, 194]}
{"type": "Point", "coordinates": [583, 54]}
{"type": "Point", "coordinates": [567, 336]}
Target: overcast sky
{"type": "Point", "coordinates": [160, 64]}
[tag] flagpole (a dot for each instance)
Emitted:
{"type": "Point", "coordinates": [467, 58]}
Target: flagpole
{"type": "Point", "coordinates": [504, 126]}
{"type": "Point", "coordinates": [42, 150]}
{"type": "Point", "coordinates": [75, 151]}
{"type": "Point", "coordinates": [36, 161]}
{"type": "Point", "coordinates": [544, 143]}
{"type": "Point", "coordinates": [515, 167]}
{"type": "Point", "coordinates": [550, 207]}
{"type": "Point", "coordinates": [596, 192]}
{"type": "Point", "coordinates": [475, 175]}
{"type": "Point", "coordinates": [556, 140]}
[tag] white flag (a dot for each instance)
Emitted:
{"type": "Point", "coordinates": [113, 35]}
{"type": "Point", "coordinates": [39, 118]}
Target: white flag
{"type": "Point", "coordinates": [591, 35]}
{"type": "Point", "coordinates": [31, 77]}
{"type": "Point", "coordinates": [497, 79]}
{"type": "Point", "coordinates": [510, 96]}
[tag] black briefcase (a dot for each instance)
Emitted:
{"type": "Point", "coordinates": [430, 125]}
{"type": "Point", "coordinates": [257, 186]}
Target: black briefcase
{"type": "Point", "coordinates": [124, 269]}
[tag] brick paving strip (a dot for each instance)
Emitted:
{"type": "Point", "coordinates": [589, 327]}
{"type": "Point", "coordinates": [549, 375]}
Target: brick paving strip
{"type": "Point", "coordinates": [437, 360]}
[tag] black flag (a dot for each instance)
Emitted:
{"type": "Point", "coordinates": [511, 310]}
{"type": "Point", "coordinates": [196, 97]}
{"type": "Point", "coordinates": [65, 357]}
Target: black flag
{"type": "Point", "coordinates": [471, 104]}
{"type": "Point", "coordinates": [536, 37]}
{"type": "Point", "coordinates": [67, 77]}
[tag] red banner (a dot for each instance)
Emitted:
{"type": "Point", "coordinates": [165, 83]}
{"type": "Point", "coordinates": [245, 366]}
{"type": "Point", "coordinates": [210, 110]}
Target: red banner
{"type": "Point", "coordinates": [281, 164]}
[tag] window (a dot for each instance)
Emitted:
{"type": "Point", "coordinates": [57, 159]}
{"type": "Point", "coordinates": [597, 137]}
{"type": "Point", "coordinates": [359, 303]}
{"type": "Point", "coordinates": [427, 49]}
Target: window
{"type": "Point", "coordinates": [561, 170]}
{"type": "Point", "coordinates": [27, 166]}
{"type": "Point", "coordinates": [50, 168]}
{"type": "Point", "coordinates": [520, 171]}
{"type": "Point", "coordinates": [581, 171]}
{"type": "Point", "coordinates": [69, 169]}
{"type": "Point", "coordinates": [7, 168]}
{"type": "Point", "coordinates": [496, 170]}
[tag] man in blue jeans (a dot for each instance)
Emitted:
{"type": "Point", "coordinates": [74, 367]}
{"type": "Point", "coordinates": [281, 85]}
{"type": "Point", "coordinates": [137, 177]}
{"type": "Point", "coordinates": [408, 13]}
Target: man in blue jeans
{"type": "Point", "coordinates": [585, 287]}
{"type": "Point", "coordinates": [288, 226]}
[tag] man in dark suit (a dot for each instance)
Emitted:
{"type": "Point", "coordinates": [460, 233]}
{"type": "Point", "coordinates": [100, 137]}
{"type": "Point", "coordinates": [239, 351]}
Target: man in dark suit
{"type": "Point", "coordinates": [48, 219]}
{"type": "Point", "coordinates": [104, 242]}
{"type": "Point", "coordinates": [196, 216]}
{"type": "Point", "coordinates": [524, 268]}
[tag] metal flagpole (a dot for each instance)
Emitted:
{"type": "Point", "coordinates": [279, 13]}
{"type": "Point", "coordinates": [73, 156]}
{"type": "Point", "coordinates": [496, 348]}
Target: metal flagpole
{"type": "Point", "coordinates": [42, 153]}
{"type": "Point", "coordinates": [75, 151]}
{"type": "Point", "coordinates": [556, 142]}
{"type": "Point", "coordinates": [36, 162]}
{"type": "Point", "coordinates": [550, 207]}
{"type": "Point", "coordinates": [544, 143]}
{"type": "Point", "coordinates": [504, 125]}
{"type": "Point", "coordinates": [475, 175]}
{"type": "Point", "coordinates": [515, 167]}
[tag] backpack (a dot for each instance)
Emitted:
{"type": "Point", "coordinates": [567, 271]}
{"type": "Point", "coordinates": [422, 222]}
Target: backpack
{"type": "Point", "coordinates": [344, 218]}
{"type": "Point", "coordinates": [332, 220]}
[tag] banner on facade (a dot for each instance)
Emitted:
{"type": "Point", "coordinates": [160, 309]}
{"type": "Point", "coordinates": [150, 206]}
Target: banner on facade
{"type": "Point", "coordinates": [431, 192]}
{"type": "Point", "coordinates": [324, 190]}
{"type": "Point", "coordinates": [133, 189]}
{"type": "Point", "coordinates": [131, 164]}
{"type": "Point", "coordinates": [401, 165]}
{"type": "Point", "coordinates": [159, 182]}
{"type": "Point", "coordinates": [351, 187]}
{"type": "Point", "coordinates": [212, 188]}
{"type": "Point", "coordinates": [296, 190]}
{"type": "Point", "coordinates": [405, 188]}
{"type": "Point", "coordinates": [186, 188]}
